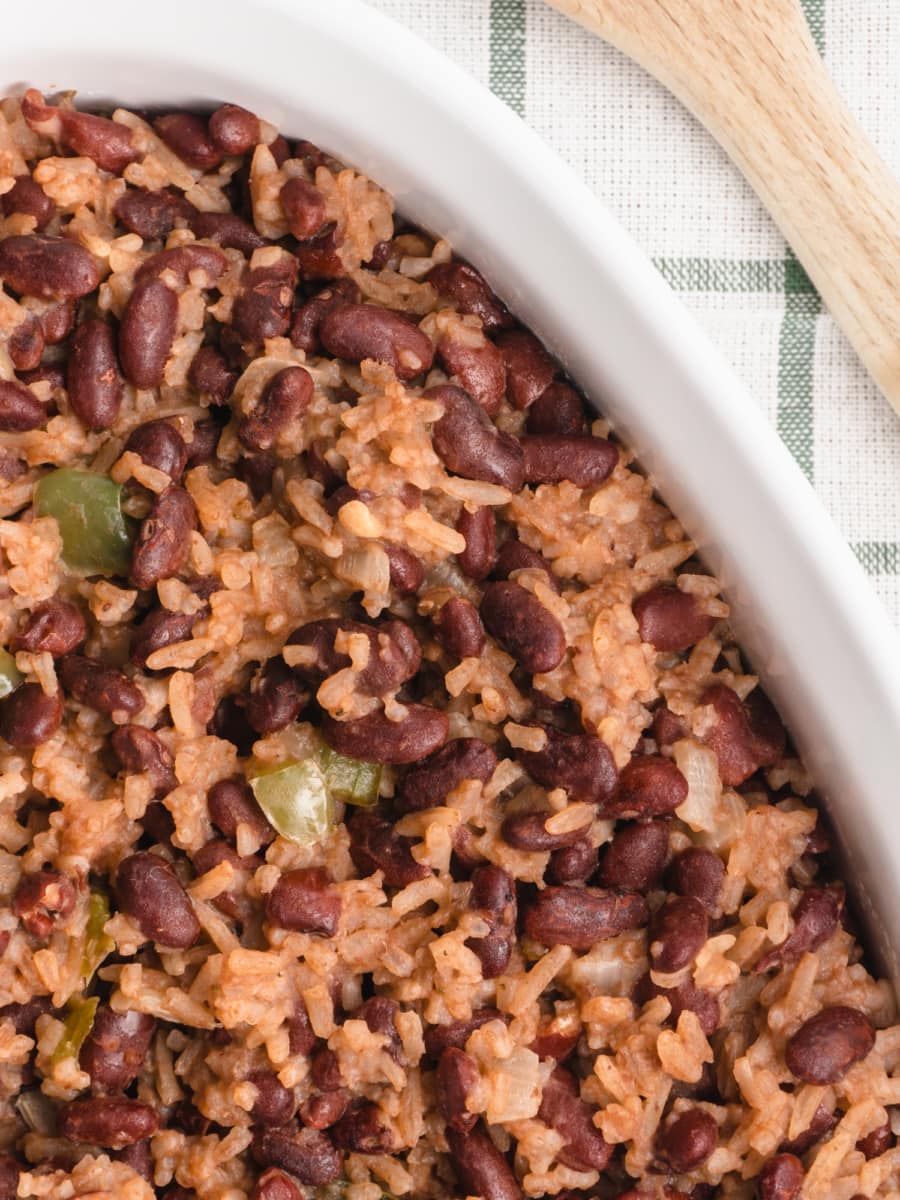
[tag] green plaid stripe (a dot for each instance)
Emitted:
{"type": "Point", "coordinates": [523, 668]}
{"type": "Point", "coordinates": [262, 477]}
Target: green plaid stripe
{"type": "Point", "coordinates": [507, 65]}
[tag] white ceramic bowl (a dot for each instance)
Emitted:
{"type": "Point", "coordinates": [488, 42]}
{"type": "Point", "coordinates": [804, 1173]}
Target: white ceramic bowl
{"type": "Point", "coordinates": [459, 162]}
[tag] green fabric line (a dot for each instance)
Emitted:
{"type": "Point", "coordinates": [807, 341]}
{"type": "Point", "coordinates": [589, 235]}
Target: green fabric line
{"type": "Point", "coordinates": [815, 18]}
{"type": "Point", "coordinates": [775, 275]}
{"type": "Point", "coordinates": [507, 46]}
{"type": "Point", "coordinates": [796, 354]}
{"type": "Point", "coordinates": [879, 558]}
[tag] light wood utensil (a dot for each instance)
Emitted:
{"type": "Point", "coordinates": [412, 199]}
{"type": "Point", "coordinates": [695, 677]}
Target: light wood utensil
{"type": "Point", "coordinates": [750, 71]}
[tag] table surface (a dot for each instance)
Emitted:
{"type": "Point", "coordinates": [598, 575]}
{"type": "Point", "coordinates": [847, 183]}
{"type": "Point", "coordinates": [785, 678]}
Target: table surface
{"type": "Point", "coordinates": [650, 162]}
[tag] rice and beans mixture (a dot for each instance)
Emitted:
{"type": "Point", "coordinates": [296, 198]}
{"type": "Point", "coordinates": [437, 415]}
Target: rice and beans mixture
{"type": "Point", "coordinates": [386, 810]}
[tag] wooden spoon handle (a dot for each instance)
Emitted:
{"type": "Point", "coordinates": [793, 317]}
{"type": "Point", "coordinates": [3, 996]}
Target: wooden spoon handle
{"type": "Point", "coordinates": [751, 73]}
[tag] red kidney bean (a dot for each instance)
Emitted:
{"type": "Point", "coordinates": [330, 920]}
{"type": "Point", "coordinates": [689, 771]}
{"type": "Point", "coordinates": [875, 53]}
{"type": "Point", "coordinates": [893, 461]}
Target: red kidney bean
{"type": "Point", "coordinates": [39, 265]}
{"type": "Point", "coordinates": [147, 332]}
{"type": "Point", "coordinates": [428, 784]}
{"type": "Point", "coordinates": [480, 531]}
{"type": "Point", "coordinates": [160, 628]}
{"type": "Point", "coordinates": [234, 130]}
{"type": "Point", "coordinates": [552, 1044]}
{"type": "Point", "coordinates": [29, 717]}
{"type": "Point", "coordinates": [181, 262]}
{"type": "Point", "coordinates": [636, 857]}
{"type": "Point", "coordinates": [20, 409]}
{"type": "Point", "coordinates": [163, 542]}
{"type": "Point", "coordinates": [187, 136]}
{"type": "Point", "coordinates": [816, 918]}
{"type": "Point", "coordinates": [481, 370]}
{"type": "Point", "coordinates": [580, 917]}
{"type": "Point", "coordinates": [57, 323]}
{"type": "Point", "coordinates": [826, 1046]}
{"type": "Point", "coordinates": [55, 627]}
{"type": "Point", "coordinates": [158, 823]}
{"type": "Point", "coordinates": [481, 1168]}
{"type": "Point", "coordinates": [231, 803]}
{"type": "Point", "coordinates": [141, 750]}
{"type": "Point", "coordinates": [376, 846]}
{"type": "Point", "coordinates": [516, 556]}
{"type": "Point", "coordinates": [99, 686]}
{"type": "Point", "coordinates": [304, 208]}
{"type": "Point", "coordinates": [667, 728]}
{"type": "Point", "coordinates": [257, 471]}
{"type": "Point", "coordinates": [228, 230]}
{"type": "Point", "coordinates": [493, 897]}
{"type": "Point", "coordinates": [456, 1033]}
{"type": "Point", "coordinates": [470, 293]}
{"type": "Point", "coordinates": [109, 1121]}
{"type": "Point", "coordinates": [394, 653]}
{"type": "Point", "coordinates": [358, 331]}
{"type": "Point", "coordinates": [563, 1110]}
{"type": "Point", "coordinates": [700, 874]}
{"type": "Point", "coordinates": [26, 344]}
{"type": "Point", "coordinates": [302, 900]}
{"type": "Point", "coordinates": [325, 1070]}
{"type": "Point", "coordinates": [307, 1154]}
{"type": "Point", "coordinates": [262, 308]}
{"type": "Point", "coordinates": [573, 864]}
{"type": "Point", "coordinates": [362, 1131]}
{"type": "Point", "coordinates": [578, 762]}
{"type": "Point", "coordinates": [470, 445]}
{"type": "Point", "coordinates": [781, 1178]}
{"type": "Point", "coordinates": [217, 851]}
{"type": "Point", "coordinates": [671, 620]}
{"type": "Point", "coordinates": [309, 316]}
{"type": "Point", "coordinates": [114, 1050]}
{"type": "Point", "coordinates": [745, 735]}
{"type": "Point", "coordinates": [26, 196]}
{"type": "Point", "coordinates": [211, 375]}
{"type": "Point", "coordinates": [527, 831]}
{"type": "Point", "coordinates": [553, 457]}
{"type": "Point", "coordinates": [276, 699]}
{"type": "Point", "coordinates": [46, 373]}
{"type": "Point", "coordinates": [204, 442]}
{"type": "Point", "coordinates": [274, 1104]}
{"type": "Point", "coordinates": [878, 1142]}
{"type": "Point", "coordinates": [678, 933]}
{"type": "Point", "coordinates": [93, 379]}
{"type": "Point", "coordinates": [407, 571]}
{"type": "Point", "coordinates": [41, 900]}
{"type": "Point", "coordinates": [380, 1014]}
{"type": "Point", "coordinates": [558, 410]}
{"type": "Point", "coordinates": [688, 1141]}
{"type": "Point", "coordinates": [685, 997]}
{"type": "Point", "coordinates": [160, 445]}
{"type": "Point", "coordinates": [649, 786]}
{"type": "Point", "coordinates": [107, 142]}
{"type": "Point", "coordinates": [321, 1112]}
{"type": "Point", "coordinates": [22, 1017]}
{"type": "Point", "coordinates": [319, 258]}
{"type": "Point", "coordinates": [150, 892]}
{"type": "Point", "coordinates": [229, 721]}
{"type": "Point", "coordinates": [518, 620]}
{"type": "Point", "coordinates": [819, 1127]}
{"type": "Point", "coordinates": [458, 628]}
{"type": "Point", "coordinates": [529, 368]}
{"type": "Point", "coordinates": [151, 215]}
{"type": "Point", "coordinates": [139, 1157]}
{"type": "Point", "coordinates": [284, 400]}
{"type": "Point", "coordinates": [275, 1185]}
{"type": "Point", "coordinates": [457, 1078]}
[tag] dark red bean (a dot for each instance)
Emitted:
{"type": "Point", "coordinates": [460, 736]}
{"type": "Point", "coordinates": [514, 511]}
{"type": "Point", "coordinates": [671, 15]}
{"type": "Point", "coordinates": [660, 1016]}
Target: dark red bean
{"type": "Point", "coordinates": [147, 332]}
{"type": "Point", "coordinates": [516, 556]}
{"type": "Point", "coordinates": [163, 542]}
{"type": "Point", "coordinates": [480, 369]}
{"type": "Point", "coordinates": [22, 1017]}
{"type": "Point", "coordinates": [685, 997]}
{"type": "Point", "coordinates": [231, 803]}
{"type": "Point", "coordinates": [275, 1184]}
{"type": "Point", "coordinates": [26, 196]}
{"type": "Point", "coordinates": [528, 831]}
{"type": "Point", "coordinates": [160, 628]}
{"type": "Point", "coordinates": [457, 1033]}
{"type": "Point", "coordinates": [309, 316]}
{"type": "Point", "coordinates": [181, 262]}
{"type": "Point", "coordinates": [407, 571]}
{"type": "Point", "coordinates": [319, 258]}
{"type": "Point", "coordinates": [93, 378]}
{"type": "Point", "coordinates": [284, 400]}
{"type": "Point", "coordinates": [57, 322]}
{"type": "Point", "coordinates": [380, 1014]}
{"type": "Point", "coordinates": [139, 1157]}
{"type": "Point", "coordinates": [211, 375]}
{"type": "Point", "coordinates": [573, 864]}
{"type": "Point", "coordinates": [304, 208]}
{"type": "Point", "coordinates": [359, 331]}
{"type": "Point", "coordinates": [699, 873]}
{"type": "Point", "coordinates": [301, 1038]}
{"type": "Point", "coordinates": [458, 628]}
{"type": "Point", "coordinates": [580, 917]}
{"type": "Point", "coordinates": [563, 1109]}
{"type": "Point", "coordinates": [745, 735]}
{"type": "Point", "coordinates": [107, 142]}
{"type": "Point", "coordinates": [217, 851]}
{"type": "Point", "coordinates": [99, 686]}
{"type": "Point", "coordinates": [826, 1046]}
{"type": "Point", "coordinates": [109, 1121]}
{"type": "Point", "coordinates": [303, 900]}
{"type": "Point", "coordinates": [141, 750]}
{"type": "Point", "coordinates": [878, 1142]}
{"type": "Point", "coordinates": [114, 1050]}
{"type": "Point", "coordinates": [42, 900]}
{"type": "Point", "coordinates": [274, 1103]}
{"type": "Point", "coordinates": [469, 444]}
{"type": "Point", "coordinates": [26, 344]}
{"type": "Point", "coordinates": [375, 738]}
{"type": "Point", "coordinates": [228, 230]}
{"type": "Point", "coordinates": [470, 293]}
{"type": "Point", "coordinates": [636, 857]}
{"type": "Point", "coordinates": [20, 409]}
{"type": "Point", "coordinates": [578, 762]}
{"type": "Point", "coordinates": [678, 933]}
{"type": "Point", "coordinates": [160, 445]}
{"type": "Point", "coordinates": [307, 1154]}
{"type": "Point", "coordinates": [553, 457]}
{"type": "Point", "coordinates": [203, 443]}
{"type": "Point", "coordinates": [39, 265]}
{"type": "Point", "coordinates": [233, 129]}
{"type": "Point", "coordinates": [550, 1043]}
{"type": "Point", "coordinates": [188, 137]}
{"type": "Point", "coordinates": [671, 620]}
{"type": "Point", "coordinates": [55, 627]}
{"type": "Point", "coordinates": [480, 531]}
{"type": "Point", "coordinates": [376, 846]}
{"type": "Point", "coordinates": [558, 410]}
{"type": "Point", "coordinates": [457, 1078]}
{"type": "Point", "coordinates": [276, 698]}
{"type": "Point", "coordinates": [151, 215]}
{"type": "Point", "coordinates": [150, 892]}
{"type": "Point", "coordinates": [667, 728]}
{"type": "Point", "coordinates": [649, 786]}
{"type": "Point", "coordinates": [394, 653]}
{"type": "Point", "coordinates": [816, 918]}
{"type": "Point", "coordinates": [688, 1141]}
{"type": "Point", "coordinates": [262, 309]}
{"type": "Point", "coordinates": [362, 1131]}
{"type": "Point", "coordinates": [529, 368]}
{"type": "Point", "coordinates": [321, 1112]}
{"type": "Point", "coordinates": [781, 1178]}
{"type": "Point", "coordinates": [518, 620]}
{"type": "Point", "coordinates": [325, 1070]}
{"type": "Point", "coordinates": [29, 717]}
{"type": "Point", "coordinates": [430, 783]}
{"type": "Point", "coordinates": [481, 1168]}
{"type": "Point", "coordinates": [819, 1127]}
{"type": "Point", "coordinates": [493, 897]}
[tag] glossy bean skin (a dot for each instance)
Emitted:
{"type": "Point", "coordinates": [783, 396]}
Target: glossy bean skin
{"type": "Point", "coordinates": [458, 628]}
{"type": "Point", "coordinates": [573, 864]}
{"type": "Point", "coordinates": [307, 1154]}
{"type": "Point", "coordinates": [563, 1110]}
{"type": "Point", "coordinates": [822, 1123]}
{"type": "Point", "coordinates": [469, 444]}
{"type": "Point", "coordinates": [160, 445]}
{"type": "Point", "coordinates": [375, 846]}
{"type": "Point", "coordinates": [20, 409]}
{"type": "Point", "coordinates": [106, 142]}
{"type": "Point", "coordinates": [262, 309]}
{"type": "Point", "coordinates": [456, 1033]}
{"type": "Point", "coordinates": [428, 784]}
{"type": "Point", "coordinates": [518, 620]}
{"type": "Point", "coordinates": [701, 874]}
{"type": "Point", "coordinates": [479, 368]}
{"type": "Point", "coordinates": [114, 1050]}
{"type": "Point", "coordinates": [57, 322]}
{"type": "Point", "coordinates": [26, 344]}
{"type": "Point", "coordinates": [276, 699]}
{"type": "Point", "coordinates": [159, 628]}
{"type": "Point", "coordinates": [529, 368]}
{"type": "Point", "coordinates": [93, 379]}
{"type": "Point", "coordinates": [151, 215]}
{"type": "Point", "coordinates": [110, 1121]}
{"type": "Point", "coordinates": [164, 540]}
{"type": "Point", "coordinates": [142, 750]}
{"type": "Point", "coordinates": [274, 1104]}
{"type": "Point", "coordinates": [227, 230]}
{"type": "Point", "coordinates": [284, 400]}
{"type": "Point", "coordinates": [394, 653]}
{"type": "Point", "coordinates": [685, 996]}
{"type": "Point", "coordinates": [580, 917]}
{"type": "Point", "coordinates": [188, 137]}
{"type": "Point", "coordinates": [309, 316]}
{"type": "Point", "coordinates": [649, 786]}
{"type": "Point", "coordinates": [579, 762]}
{"type": "Point", "coordinates": [319, 258]}
{"type": "Point", "coordinates": [678, 933]}
{"type": "Point", "coordinates": [29, 717]}
{"type": "Point", "coordinates": [304, 207]}
{"type": "Point", "coordinates": [480, 531]}
{"type": "Point", "coordinates": [553, 457]}
{"type": "Point", "coordinates": [151, 894]}
{"type": "Point", "coordinates": [527, 831]}
{"type": "Point", "coordinates": [204, 442]}
{"type": "Point", "coordinates": [457, 1077]}
{"type": "Point", "coordinates": [50, 267]}
{"type": "Point", "coordinates": [826, 1046]}
{"type": "Point", "coordinates": [559, 410]}
{"type": "Point", "coordinates": [184, 263]}
{"type": "Point", "coordinates": [688, 1140]}
{"type": "Point", "coordinates": [323, 1110]}
{"type": "Point", "coordinates": [26, 196]}
{"type": "Point", "coordinates": [42, 900]}
{"type": "Point", "coordinates": [362, 1131]}
{"type": "Point", "coordinates": [358, 331]}
{"type": "Point", "coordinates": [470, 293]}
{"type": "Point", "coordinates": [493, 897]}
{"type": "Point", "coordinates": [480, 1167]}
{"type": "Point", "coordinates": [275, 1184]}
{"type": "Point", "coordinates": [407, 572]}
{"type": "Point", "coordinates": [744, 735]}
{"type": "Point", "coordinates": [231, 803]}
{"type": "Point", "coordinates": [9, 1177]}
{"type": "Point", "coordinates": [211, 376]}
{"type": "Point", "coordinates": [374, 738]}
{"type": "Point", "coordinates": [55, 627]}
{"type": "Point", "coordinates": [516, 556]}
{"type": "Point", "coordinates": [878, 1142]}
{"type": "Point", "coordinates": [303, 900]}
{"type": "Point", "coordinates": [233, 129]}
{"type": "Point", "coordinates": [99, 686]}
{"type": "Point", "coordinates": [636, 857]}
{"type": "Point", "coordinates": [781, 1178]}
{"type": "Point", "coordinates": [671, 620]}
{"type": "Point", "coordinates": [147, 332]}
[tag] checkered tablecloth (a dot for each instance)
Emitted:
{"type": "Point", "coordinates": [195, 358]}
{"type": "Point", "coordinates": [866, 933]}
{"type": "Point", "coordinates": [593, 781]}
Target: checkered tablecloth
{"type": "Point", "coordinates": [669, 184]}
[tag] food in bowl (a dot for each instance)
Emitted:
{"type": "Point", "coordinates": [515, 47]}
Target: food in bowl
{"type": "Point", "coordinates": [387, 807]}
